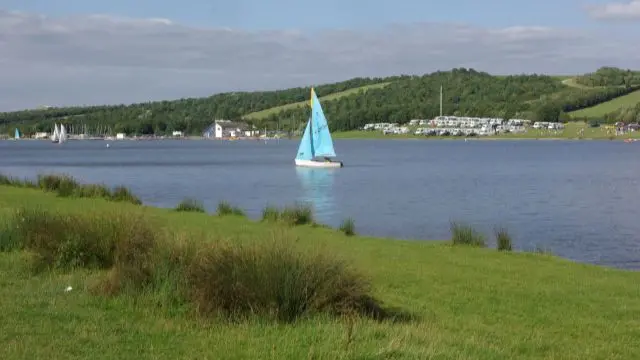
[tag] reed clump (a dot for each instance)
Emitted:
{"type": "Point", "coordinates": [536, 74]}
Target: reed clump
{"type": "Point", "coordinates": [464, 234]}
{"type": "Point", "coordinates": [296, 214]}
{"type": "Point", "coordinates": [348, 227]}
{"type": "Point", "coordinates": [504, 241]}
{"type": "Point", "coordinates": [225, 208]}
{"type": "Point", "coordinates": [190, 205]}
{"type": "Point", "coordinates": [67, 186]}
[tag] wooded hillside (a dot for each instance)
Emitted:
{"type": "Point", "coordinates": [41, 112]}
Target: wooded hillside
{"type": "Point", "coordinates": [466, 92]}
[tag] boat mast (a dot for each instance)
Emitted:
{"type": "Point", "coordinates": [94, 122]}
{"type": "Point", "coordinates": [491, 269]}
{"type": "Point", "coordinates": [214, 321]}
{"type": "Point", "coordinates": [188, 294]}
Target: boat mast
{"type": "Point", "coordinates": [441, 100]}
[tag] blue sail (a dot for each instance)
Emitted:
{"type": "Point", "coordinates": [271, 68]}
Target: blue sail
{"type": "Point", "coordinates": [322, 142]}
{"type": "Point", "coordinates": [17, 134]}
{"type": "Point", "coordinates": [305, 150]}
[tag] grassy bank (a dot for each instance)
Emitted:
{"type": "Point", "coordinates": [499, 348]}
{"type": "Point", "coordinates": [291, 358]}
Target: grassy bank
{"type": "Point", "coordinates": [444, 301]}
{"type": "Point", "coordinates": [572, 131]}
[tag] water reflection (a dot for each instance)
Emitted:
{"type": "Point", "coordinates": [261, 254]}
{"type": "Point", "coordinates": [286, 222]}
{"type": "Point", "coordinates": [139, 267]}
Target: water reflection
{"type": "Point", "coordinates": [317, 189]}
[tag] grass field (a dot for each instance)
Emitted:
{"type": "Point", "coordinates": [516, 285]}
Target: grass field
{"type": "Point", "coordinates": [600, 110]}
{"type": "Point", "coordinates": [268, 112]}
{"type": "Point", "coordinates": [571, 131]}
{"type": "Point", "coordinates": [467, 303]}
{"type": "Point", "coordinates": [571, 81]}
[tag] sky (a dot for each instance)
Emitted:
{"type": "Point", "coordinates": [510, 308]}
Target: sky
{"type": "Point", "coordinates": [83, 52]}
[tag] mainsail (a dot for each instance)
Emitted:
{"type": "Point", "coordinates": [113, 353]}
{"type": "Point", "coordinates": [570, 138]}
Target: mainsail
{"type": "Point", "coordinates": [322, 142]}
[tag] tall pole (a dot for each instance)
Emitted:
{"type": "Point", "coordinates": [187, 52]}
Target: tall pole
{"type": "Point", "coordinates": [440, 100]}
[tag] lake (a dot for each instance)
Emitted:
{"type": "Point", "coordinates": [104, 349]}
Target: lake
{"type": "Point", "coordinates": [575, 198]}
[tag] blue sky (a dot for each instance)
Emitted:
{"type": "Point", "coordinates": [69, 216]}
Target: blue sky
{"type": "Point", "coordinates": [74, 52]}
{"type": "Point", "coordinates": [261, 14]}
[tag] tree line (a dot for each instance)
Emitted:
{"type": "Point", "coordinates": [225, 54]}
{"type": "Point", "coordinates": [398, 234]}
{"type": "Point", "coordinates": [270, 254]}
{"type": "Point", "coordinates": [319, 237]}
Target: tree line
{"type": "Point", "coordinates": [610, 76]}
{"type": "Point", "coordinates": [628, 114]}
{"type": "Point", "coordinates": [466, 92]}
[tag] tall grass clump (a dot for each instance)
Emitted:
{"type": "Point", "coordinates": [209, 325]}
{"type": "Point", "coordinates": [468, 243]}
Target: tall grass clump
{"type": "Point", "coordinates": [298, 214]}
{"type": "Point", "coordinates": [67, 186]}
{"type": "Point", "coordinates": [224, 208]}
{"type": "Point", "coordinates": [93, 191]}
{"type": "Point", "coordinates": [9, 240]}
{"type": "Point", "coordinates": [273, 280]}
{"type": "Point", "coordinates": [348, 227]}
{"type": "Point", "coordinates": [277, 282]}
{"type": "Point", "coordinates": [121, 193]}
{"type": "Point", "coordinates": [6, 180]}
{"type": "Point", "coordinates": [503, 239]}
{"type": "Point", "coordinates": [11, 181]}
{"type": "Point", "coordinates": [463, 234]}
{"type": "Point", "coordinates": [63, 185]}
{"type": "Point", "coordinates": [271, 214]}
{"type": "Point", "coordinates": [95, 241]}
{"type": "Point", "coordinates": [190, 205]}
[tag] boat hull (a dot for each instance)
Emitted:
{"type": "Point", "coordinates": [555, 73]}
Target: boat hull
{"type": "Point", "coordinates": [319, 164]}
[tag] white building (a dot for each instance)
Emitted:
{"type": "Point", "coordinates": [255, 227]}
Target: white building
{"type": "Point", "coordinates": [226, 128]}
{"type": "Point", "coordinates": [41, 135]}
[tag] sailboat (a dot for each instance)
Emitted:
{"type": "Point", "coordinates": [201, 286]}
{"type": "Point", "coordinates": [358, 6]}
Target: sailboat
{"type": "Point", "coordinates": [55, 137]}
{"type": "Point", "coordinates": [17, 134]}
{"type": "Point", "coordinates": [316, 141]}
{"type": "Point", "coordinates": [63, 134]}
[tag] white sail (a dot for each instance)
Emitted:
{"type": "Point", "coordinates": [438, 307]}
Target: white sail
{"type": "Point", "coordinates": [63, 134]}
{"type": "Point", "coordinates": [56, 133]}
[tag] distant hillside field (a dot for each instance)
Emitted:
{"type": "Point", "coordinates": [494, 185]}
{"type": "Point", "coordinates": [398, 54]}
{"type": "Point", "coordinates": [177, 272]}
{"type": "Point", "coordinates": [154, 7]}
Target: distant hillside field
{"type": "Point", "coordinates": [258, 115]}
{"type": "Point", "coordinates": [572, 82]}
{"type": "Point", "coordinates": [600, 110]}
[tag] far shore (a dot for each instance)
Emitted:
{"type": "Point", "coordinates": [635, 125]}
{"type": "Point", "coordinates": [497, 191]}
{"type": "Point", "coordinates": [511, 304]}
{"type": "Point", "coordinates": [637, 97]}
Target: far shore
{"type": "Point", "coordinates": [382, 137]}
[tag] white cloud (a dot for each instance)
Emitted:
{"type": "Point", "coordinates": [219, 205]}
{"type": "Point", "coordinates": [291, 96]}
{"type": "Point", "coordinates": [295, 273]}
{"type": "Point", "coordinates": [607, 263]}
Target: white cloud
{"type": "Point", "coordinates": [629, 10]}
{"type": "Point", "coordinates": [100, 59]}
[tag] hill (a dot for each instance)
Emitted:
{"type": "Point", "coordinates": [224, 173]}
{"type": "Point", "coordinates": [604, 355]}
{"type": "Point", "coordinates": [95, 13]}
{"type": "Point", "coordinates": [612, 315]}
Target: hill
{"type": "Point", "coordinates": [608, 110]}
{"type": "Point", "coordinates": [350, 104]}
{"type": "Point", "coordinates": [464, 302]}
{"type": "Point", "coordinates": [190, 115]}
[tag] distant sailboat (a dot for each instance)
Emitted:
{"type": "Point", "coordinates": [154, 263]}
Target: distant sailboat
{"type": "Point", "coordinates": [316, 141]}
{"type": "Point", "coordinates": [55, 137]}
{"type": "Point", "coordinates": [17, 134]}
{"type": "Point", "coordinates": [63, 134]}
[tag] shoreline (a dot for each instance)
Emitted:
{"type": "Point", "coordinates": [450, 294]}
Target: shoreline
{"type": "Point", "coordinates": [433, 138]}
{"type": "Point", "coordinates": [78, 191]}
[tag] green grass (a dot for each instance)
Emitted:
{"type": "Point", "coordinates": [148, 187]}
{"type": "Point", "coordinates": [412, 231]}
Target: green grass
{"type": "Point", "coordinates": [468, 303]}
{"type": "Point", "coordinates": [572, 131]}
{"type": "Point", "coordinates": [604, 108]}
{"type": "Point", "coordinates": [571, 81]}
{"type": "Point", "coordinates": [274, 110]}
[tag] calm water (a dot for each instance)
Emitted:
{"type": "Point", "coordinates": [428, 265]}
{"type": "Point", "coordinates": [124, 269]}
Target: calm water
{"type": "Point", "coordinates": [577, 199]}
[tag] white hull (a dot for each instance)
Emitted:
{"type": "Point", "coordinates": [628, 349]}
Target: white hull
{"type": "Point", "coordinates": [319, 164]}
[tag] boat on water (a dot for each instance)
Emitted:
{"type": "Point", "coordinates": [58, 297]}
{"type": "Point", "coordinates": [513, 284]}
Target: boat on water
{"type": "Point", "coordinates": [316, 146]}
{"type": "Point", "coordinates": [56, 134]}
{"type": "Point", "coordinates": [63, 134]}
{"type": "Point", "coordinates": [59, 134]}
{"type": "Point", "coordinates": [16, 136]}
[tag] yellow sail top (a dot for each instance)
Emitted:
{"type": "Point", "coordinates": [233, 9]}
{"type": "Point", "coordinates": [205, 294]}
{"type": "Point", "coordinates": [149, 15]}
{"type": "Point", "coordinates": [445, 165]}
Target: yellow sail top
{"type": "Point", "coordinates": [311, 99]}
